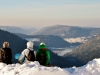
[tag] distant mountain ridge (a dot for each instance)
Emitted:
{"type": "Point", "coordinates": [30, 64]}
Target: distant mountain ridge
{"type": "Point", "coordinates": [68, 31]}
{"type": "Point", "coordinates": [87, 51]}
{"type": "Point", "coordinates": [13, 29]}
{"type": "Point", "coordinates": [49, 40]}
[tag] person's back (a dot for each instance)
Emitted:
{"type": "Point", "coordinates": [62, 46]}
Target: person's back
{"type": "Point", "coordinates": [43, 55]}
{"type": "Point", "coordinates": [27, 53]}
{"type": "Point", "coordinates": [6, 54]}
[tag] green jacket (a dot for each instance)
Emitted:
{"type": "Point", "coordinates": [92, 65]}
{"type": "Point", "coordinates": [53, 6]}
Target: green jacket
{"type": "Point", "coordinates": [42, 49]}
{"type": "Point", "coordinates": [38, 52]}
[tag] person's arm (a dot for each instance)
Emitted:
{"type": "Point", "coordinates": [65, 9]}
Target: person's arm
{"type": "Point", "coordinates": [10, 56]}
{"type": "Point", "coordinates": [37, 53]}
{"type": "Point", "coordinates": [21, 57]}
{"type": "Point", "coordinates": [48, 55]}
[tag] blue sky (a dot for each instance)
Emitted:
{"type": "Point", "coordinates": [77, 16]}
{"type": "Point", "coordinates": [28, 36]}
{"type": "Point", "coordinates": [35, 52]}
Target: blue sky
{"type": "Point", "coordinates": [41, 13]}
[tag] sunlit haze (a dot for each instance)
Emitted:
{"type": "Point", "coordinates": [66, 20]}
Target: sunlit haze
{"type": "Point", "coordinates": [41, 13]}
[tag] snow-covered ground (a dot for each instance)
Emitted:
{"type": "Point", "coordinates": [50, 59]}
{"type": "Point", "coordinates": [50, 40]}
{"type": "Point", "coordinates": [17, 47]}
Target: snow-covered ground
{"type": "Point", "coordinates": [34, 68]}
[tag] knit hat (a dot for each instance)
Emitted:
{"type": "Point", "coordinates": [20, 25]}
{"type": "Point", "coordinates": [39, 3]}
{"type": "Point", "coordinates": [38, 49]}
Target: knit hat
{"type": "Point", "coordinates": [42, 45]}
{"type": "Point", "coordinates": [30, 44]}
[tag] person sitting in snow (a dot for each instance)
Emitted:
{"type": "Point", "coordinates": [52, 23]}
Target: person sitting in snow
{"type": "Point", "coordinates": [27, 54]}
{"type": "Point", "coordinates": [6, 54]}
{"type": "Point", "coordinates": [43, 55]}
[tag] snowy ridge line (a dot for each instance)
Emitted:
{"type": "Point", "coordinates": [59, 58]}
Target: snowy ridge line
{"type": "Point", "coordinates": [34, 68]}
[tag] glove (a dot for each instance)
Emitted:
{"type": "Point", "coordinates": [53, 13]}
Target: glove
{"type": "Point", "coordinates": [20, 62]}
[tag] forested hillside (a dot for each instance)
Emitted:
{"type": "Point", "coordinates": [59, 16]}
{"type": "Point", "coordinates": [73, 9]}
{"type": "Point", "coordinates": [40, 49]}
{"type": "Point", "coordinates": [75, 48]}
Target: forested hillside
{"type": "Point", "coordinates": [87, 51]}
{"type": "Point", "coordinates": [50, 40]}
{"type": "Point", "coordinates": [68, 31]}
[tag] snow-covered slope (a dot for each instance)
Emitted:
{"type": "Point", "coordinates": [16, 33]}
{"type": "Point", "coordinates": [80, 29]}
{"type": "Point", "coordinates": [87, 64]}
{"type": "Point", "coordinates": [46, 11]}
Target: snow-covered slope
{"type": "Point", "coordinates": [34, 68]}
{"type": "Point", "coordinates": [77, 39]}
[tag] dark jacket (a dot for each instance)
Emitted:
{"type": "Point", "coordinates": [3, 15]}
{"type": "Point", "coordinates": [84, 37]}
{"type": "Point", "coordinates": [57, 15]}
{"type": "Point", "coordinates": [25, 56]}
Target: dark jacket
{"type": "Point", "coordinates": [8, 54]}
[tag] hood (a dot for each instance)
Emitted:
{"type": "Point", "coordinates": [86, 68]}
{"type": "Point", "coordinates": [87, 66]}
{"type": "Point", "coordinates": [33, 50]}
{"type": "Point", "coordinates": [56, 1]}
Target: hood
{"type": "Point", "coordinates": [30, 44]}
{"type": "Point", "coordinates": [42, 46]}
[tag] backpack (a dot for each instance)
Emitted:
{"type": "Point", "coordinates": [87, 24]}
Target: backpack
{"type": "Point", "coordinates": [42, 57]}
{"type": "Point", "coordinates": [31, 56]}
{"type": "Point", "coordinates": [3, 55]}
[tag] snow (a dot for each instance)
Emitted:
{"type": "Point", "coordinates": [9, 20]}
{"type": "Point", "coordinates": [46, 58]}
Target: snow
{"type": "Point", "coordinates": [77, 39]}
{"type": "Point", "coordinates": [34, 68]}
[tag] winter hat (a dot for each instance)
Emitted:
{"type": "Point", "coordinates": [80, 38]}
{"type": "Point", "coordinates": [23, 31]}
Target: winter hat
{"type": "Point", "coordinates": [5, 45]}
{"type": "Point", "coordinates": [30, 44]}
{"type": "Point", "coordinates": [42, 45]}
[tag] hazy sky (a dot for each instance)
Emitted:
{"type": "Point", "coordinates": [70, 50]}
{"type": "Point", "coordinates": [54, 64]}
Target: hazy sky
{"type": "Point", "coordinates": [41, 13]}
